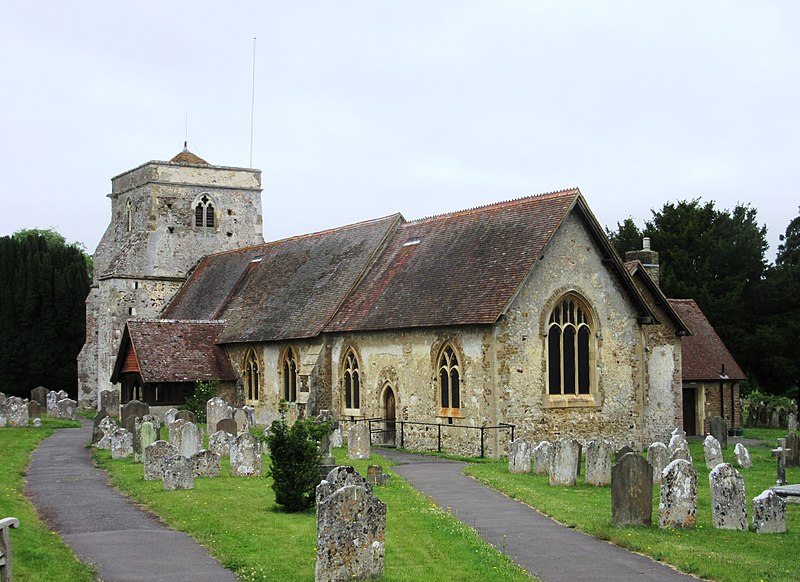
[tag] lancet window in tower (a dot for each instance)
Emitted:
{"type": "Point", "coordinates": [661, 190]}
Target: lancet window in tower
{"type": "Point", "coordinates": [128, 216]}
{"type": "Point", "coordinates": [204, 212]}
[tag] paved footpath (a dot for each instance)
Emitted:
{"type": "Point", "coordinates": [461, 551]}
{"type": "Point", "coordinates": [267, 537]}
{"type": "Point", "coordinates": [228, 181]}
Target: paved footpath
{"type": "Point", "coordinates": [544, 548]}
{"type": "Point", "coordinates": [103, 526]}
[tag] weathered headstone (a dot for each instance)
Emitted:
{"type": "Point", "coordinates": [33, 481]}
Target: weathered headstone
{"type": "Point", "coordinates": [791, 422]}
{"type": "Point", "coordinates": [566, 458]}
{"type": "Point", "coordinates": [178, 473]}
{"type": "Point", "coordinates": [678, 503]}
{"type": "Point", "coordinates": [242, 421]}
{"type": "Point", "coordinates": [681, 453]}
{"type": "Point", "coordinates": [358, 445]}
{"type": "Point", "coordinates": [191, 440]}
{"type": "Point", "coordinates": [216, 410]}
{"type": "Point", "coordinates": [220, 442]}
{"type": "Point", "coordinates": [336, 437]}
{"type": "Point", "coordinates": [227, 425]}
{"type": "Point", "coordinates": [3, 413]}
{"type": "Point", "coordinates": [169, 416]}
{"type": "Point", "coordinates": [155, 458]}
{"type": "Point", "coordinates": [105, 427]}
{"type": "Point", "coordinates": [624, 450]}
{"type": "Point", "coordinates": [146, 436]}
{"type": "Point", "coordinates": [68, 409]}
{"type": "Point", "coordinates": [519, 456]}
{"type": "Point", "coordinates": [658, 457]}
{"type": "Point", "coordinates": [793, 454]}
{"type": "Point", "coordinates": [155, 421]}
{"type": "Point", "coordinates": [728, 501]}
{"type": "Point", "coordinates": [245, 456]}
{"type": "Point", "coordinates": [774, 418]}
{"type": "Point", "coordinates": [677, 441]}
{"type": "Point", "coordinates": [39, 394]}
{"type": "Point", "coordinates": [175, 429]}
{"type": "Point", "coordinates": [34, 409]}
{"type": "Point", "coordinates": [752, 415]}
{"type": "Point", "coordinates": [783, 421]}
{"type": "Point", "coordinates": [62, 394]}
{"type": "Point", "coordinates": [719, 430]}
{"type": "Point", "coordinates": [780, 454]}
{"type": "Point", "coordinates": [205, 463]}
{"type": "Point", "coordinates": [186, 415]}
{"type": "Point", "coordinates": [130, 424]}
{"type": "Point", "coordinates": [598, 463]}
{"type": "Point", "coordinates": [763, 416]}
{"type": "Point", "coordinates": [375, 475]}
{"type": "Point", "coordinates": [713, 452]}
{"type": "Point", "coordinates": [742, 456]}
{"type": "Point", "coordinates": [121, 444]}
{"type": "Point", "coordinates": [351, 532]}
{"type": "Point", "coordinates": [542, 457]}
{"type": "Point", "coordinates": [109, 400]}
{"type": "Point", "coordinates": [631, 491]}
{"type": "Point", "coordinates": [769, 513]}
{"type": "Point", "coordinates": [133, 408]}
{"type": "Point", "coordinates": [52, 404]}
{"type": "Point", "coordinates": [16, 411]}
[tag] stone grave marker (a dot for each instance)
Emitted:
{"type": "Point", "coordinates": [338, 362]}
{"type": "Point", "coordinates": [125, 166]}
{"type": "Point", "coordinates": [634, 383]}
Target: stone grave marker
{"type": "Point", "coordinates": [245, 456]}
{"type": "Point", "coordinates": [186, 415]}
{"type": "Point", "coordinates": [793, 453]}
{"type": "Point", "coordinates": [133, 408]}
{"type": "Point", "coordinates": [752, 415]}
{"type": "Point", "coordinates": [220, 442]}
{"type": "Point", "coordinates": [728, 501]}
{"type": "Point", "coordinates": [68, 409]}
{"type": "Point", "coordinates": [109, 399]}
{"type": "Point", "coordinates": [542, 457]}
{"type": "Point", "coordinates": [62, 394]}
{"type": "Point", "coordinates": [155, 421]}
{"type": "Point", "coordinates": [791, 421]}
{"type": "Point", "coordinates": [336, 437]}
{"type": "Point", "coordinates": [121, 444]}
{"type": "Point", "coordinates": [564, 466]}
{"type": "Point", "coordinates": [742, 456]}
{"type": "Point", "coordinates": [783, 422]}
{"type": "Point", "coordinates": [681, 454]}
{"type": "Point", "coordinates": [205, 463]}
{"type": "Point", "coordinates": [146, 436]}
{"type": "Point", "coordinates": [325, 445]}
{"type": "Point", "coordinates": [713, 452]}
{"type": "Point", "coordinates": [598, 463]}
{"type": "Point", "coordinates": [175, 431]}
{"type": "Point", "coordinates": [351, 531]}
{"type": "Point", "coordinates": [622, 452]}
{"type": "Point", "coordinates": [37, 422]}
{"type": "Point", "coordinates": [763, 416]}
{"type": "Point", "coordinates": [678, 503]}
{"type": "Point", "coordinates": [155, 458]}
{"type": "Point", "coordinates": [375, 475]}
{"type": "Point", "coordinates": [769, 513]}
{"type": "Point", "coordinates": [169, 416]}
{"type": "Point", "coordinates": [677, 441]}
{"type": "Point", "coordinates": [780, 454]}
{"type": "Point", "coordinates": [719, 430]}
{"type": "Point", "coordinates": [519, 456]}
{"type": "Point", "coordinates": [216, 410]}
{"type": "Point", "coordinates": [228, 425]}
{"type": "Point", "coordinates": [658, 457]}
{"type": "Point", "coordinates": [34, 409]}
{"type": "Point", "coordinates": [39, 394]}
{"type": "Point", "coordinates": [631, 491]}
{"type": "Point", "coordinates": [97, 432]}
{"type": "Point", "coordinates": [106, 427]}
{"type": "Point", "coordinates": [16, 411]}
{"type": "Point", "coordinates": [52, 404]}
{"type": "Point", "coordinates": [774, 418]}
{"type": "Point", "coordinates": [191, 440]}
{"type": "Point", "coordinates": [3, 413]}
{"type": "Point", "coordinates": [130, 424]}
{"type": "Point", "coordinates": [178, 473]}
{"type": "Point", "coordinates": [358, 445]}
{"type": "Point", "coordinates": [242, 421]}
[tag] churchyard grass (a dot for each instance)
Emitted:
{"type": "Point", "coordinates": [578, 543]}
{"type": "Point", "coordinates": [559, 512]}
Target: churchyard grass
{"type": "Point", "coordinates": [39, 555]}
{"type": "Point", "coordinates": [723, 555]}
{"type": "Point", "coordinates": [237, 519]}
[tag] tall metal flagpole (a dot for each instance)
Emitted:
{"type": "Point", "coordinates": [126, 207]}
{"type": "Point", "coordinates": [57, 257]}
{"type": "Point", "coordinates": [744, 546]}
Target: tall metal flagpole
{"type": "Point", "coordinates": [253, 102]}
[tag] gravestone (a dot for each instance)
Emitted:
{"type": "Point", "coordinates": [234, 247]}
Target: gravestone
{"type": "Point", "coordinates": [351, 531]}
{"type": "Point", "coordinates": [186, 415]}
{"type": "Point", "coordinates": [216, 410]}
{"type": "Point", "coordinates": [519, 457]}
{"type": "Point", "coordinates": [34, 409]}
{"type": "Point", "coordinates": [16, 412]}
{"type": "Point", "coordinates": [774, 418]}
{"type": "Point", "coordinates": [336, 437]}
{"type": "Point", "coordinates": [191, 440]}
{"type": "Point", "coordinates": [542, 457]}
{"type": "Point", "coordinates": [763, 416]}
{"type": "Point", "coordinates": [564, 466]}
{"type": "Point", "coordinates": [375, 475]}
{"type": "Point", "coordinates": [681, 454]}
{"type": "Point", "coordinates": [782, 420]}
{"type": "Point", "coordinates": [677, 441]}
{"type": "Point", "coordinates": [132, 408]}
{"type": "Point", "coordinates": [155, 458]}
{"type": "Point", "coordinates": [358, 445]}
{"type": "Point", "coordinates": [105, 427]}
{"type": "Point", "coordinates": [220, 443]}
{"type": "Point", "coordinates": [227, 425]}
{"type": "Point", "coordinates": [242, 421]}
{"type": "Point", "coordinates": [598, 463]}
{"type": "Point", "coordinates": [678, 503]}
{"type": "Point", "coordinates": [52, 404]}
{"type": "Point", "coordinates": [658, 457]}
{"type": "Point", "coordinates": [178, 473]}
{"type": "Point", "coordinates": [622, 452]}
{"type": "Point", "coordinates": [728, 501]}
{"type": "Point", "coordinates": [326, 458]}
{"type": "Point", "coordinates": [39, 394]}
{"type": "Point", "coordinates": [752, 415]}
{"type": "Point", "coordinates": [791, 421]}
{"type": "Point", "coordinates": [62, 394]}
{"type": "Point", "coordinates": [793, 454]}
{"type": "Point", "coordinates": [169, 416]}
{"type": "Point", "coordinates": [130, 424]}
{"type": "Point", "coordinates": [3, 413]}
{"type": "Point", "coordinates": [175, 429]}
{"type": "Point", "coordinates": [719, 430]}
{"type": "Point", "coordinates": [155, 421]}
{"type": "Point", "coordinates": [245, 456]}
{"type": "Point", "coordinates": [742, 456]}
{"type": "Point", "coordinates": [713, 452]}
{"type": "Point", "coordinates": [109, 399]}
{"type": "Point", "coordinates": [68, 409]}
{"type": "Point", "coordinates": [631, 491]}
{"type": "Point", "coordinates": [146, 436]}
{"type": "Point", "coordinates": [769, 513]}
{"type": "Point", "coordinates": [121, 444]}
{"type": "Point", "coordinates": [780, 454]}
{"type": "Point", "coordinates": [205, 463]}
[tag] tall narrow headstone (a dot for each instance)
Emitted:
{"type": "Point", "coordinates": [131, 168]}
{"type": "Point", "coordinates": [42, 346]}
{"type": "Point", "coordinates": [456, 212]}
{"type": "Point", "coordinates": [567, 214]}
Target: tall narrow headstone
{"type": "Point", "coordinates": [519, 457]}
{"type": "Point", "coordinates": [793, 454]}
{"type": "Point", "coordinates": [763, 416]}
{"type": "Point", "coordinates": [783, 421]}
{"type": "Point", "coordinates": [769, 513]}
{"type": "Point", "coordinates": [658, 457]}
{"type": "Point", "coordinates": [774, 418]}
{"type": "Point", "coordinates": [39, 394]}
{"type": "Point", "coordinates": [598, 463]}
{"type": "Point", "coordinates": [97, 432]}
{"type": "Point", "coordinates": [242, 420]}
{"type": "Point", "coordinates": [191, 440]}
{"type": "Point", "coordinates": [791, 422]}
{"type": "Point", "coordinates": [245, 456]}
{"type": "Point", "coordinates": [713, 452]}
{"type": "Point", "coordinates": [216, 410]}
{"type": "Point", "coordinates": [742, 456]}
{"type": "Point", "coordinates": [147, 436]}
{"type": "Point", "coordinates": [109, 400]}
{"type": "Point", "coordinates": [780, 454]}
{"type": "Point", "coordinates": [632, 491]}
{"type": "Point", "coordinates": [564, 466]}
{"type": "Point", "coordinates": [542, 457]}
{"type": "Point", "coordinates": [175, 430]}
{"type": "Point", "coordinates": [52, 404]}
{"type": "Point", "coordinates": [728, 501]}
{"type": "Point", "coordinates": [719, 430]}
{"type": "Point", "coordinates": [358, 445]}
{"type": "Point", "coordinates": [155, 459]}
{"type": "Point", "coordinates": [678, 505]}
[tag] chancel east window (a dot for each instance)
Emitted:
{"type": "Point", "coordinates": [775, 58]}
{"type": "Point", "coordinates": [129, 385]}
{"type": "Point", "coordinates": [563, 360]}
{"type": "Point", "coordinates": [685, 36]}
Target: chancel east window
{"type": "Point", "coordinates": [252, 378]}
{"type": "Point", "coordinates": [352, 383]}
{"type": "Point", "coordinates": [449, 380]}
{"type": "Point", "coordinates": [290, 376]}
{"type": "Point", "coordinates": [204, 212]}
{"type": "Point", "coordinates": [570, 349]}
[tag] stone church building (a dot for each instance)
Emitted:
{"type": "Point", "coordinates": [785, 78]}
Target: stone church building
{"type": "Point", "coordinates": [518, 313]}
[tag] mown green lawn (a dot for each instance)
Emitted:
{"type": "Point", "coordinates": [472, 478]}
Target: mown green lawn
{"type": "Point", "coordinates": [706, 552]}
{"type": "Point", "coordinates": [39, 555]}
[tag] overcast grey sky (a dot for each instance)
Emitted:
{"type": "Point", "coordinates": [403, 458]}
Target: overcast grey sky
{"type": "Point", "coordinates": [365, 108]}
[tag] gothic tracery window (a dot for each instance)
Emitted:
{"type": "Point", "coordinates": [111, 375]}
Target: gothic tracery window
{"type": "Point", "coordinates": [449, 374]}
{"type": "Point", "coordinates": [290, 376]}
{"type": "Point", "coordinates": [252, 378]}
{"type": "Point", "coordinates": [570, 348]}
{"type": "Point", "coordinates": [352, 383]}
{"type": "Point", "coordinates": [204, 212]}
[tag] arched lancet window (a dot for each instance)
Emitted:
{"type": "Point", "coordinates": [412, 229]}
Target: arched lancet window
{"type": "Point", "coordinates": [290, 376]}
{"type": "Point", "coordinates": [352, 383]}
{"type": "Point", "coordinates": [252, 379]}
{"type": "Point", "coordinates": [204, 212]}
{"type": "Point", "coordinates": [449, 374]}
{"type": "Point", "coordinates": [570, 348]}
{"type": "Point", "coordinates": [128, 215]}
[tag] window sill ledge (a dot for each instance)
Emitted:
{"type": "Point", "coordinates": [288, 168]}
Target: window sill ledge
{"type": "Point", "coordinates": [583, 401]}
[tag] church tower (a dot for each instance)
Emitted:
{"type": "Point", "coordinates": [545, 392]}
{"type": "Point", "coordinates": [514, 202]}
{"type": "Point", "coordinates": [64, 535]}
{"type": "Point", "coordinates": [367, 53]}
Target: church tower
{"type": "Point", "coordinates": [165, 216]}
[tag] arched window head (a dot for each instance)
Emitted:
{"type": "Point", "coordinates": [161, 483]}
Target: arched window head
{"type": "Point", "coordinates": [352, 383]}
{"type": "Point", "coordinates": [290, 376]}
{"type": "Point", "coordinates": [570, 348]}
{"type": "Point", "coordinates": [204, 212]}
{"type": "Point", "coordinates": [128, 215]}
{"type": "Point", "coordinates": [252, 378]}
{"type": "Point", "coordinates": [449, 380]}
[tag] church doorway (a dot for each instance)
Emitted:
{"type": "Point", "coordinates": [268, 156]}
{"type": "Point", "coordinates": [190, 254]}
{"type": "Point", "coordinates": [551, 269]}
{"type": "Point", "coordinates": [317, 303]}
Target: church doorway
{"type": "Point", "coordinates": [389, 416]}
{"type": "Point", "coordinates": [690, 411]}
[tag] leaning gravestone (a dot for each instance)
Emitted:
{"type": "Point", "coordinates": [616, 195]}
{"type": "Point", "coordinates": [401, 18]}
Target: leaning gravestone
{"type": "Point", "coordinates": [678, 504]}
{"type": "Point", "coordinates": [658, 457]}
{"type": "Point", "coordinates": [742, 456]}
{"type": "Point", "coordinates": [769, 513]}
{"type": "Point", "coordinates": [178, 473]}
{"type": "Point", "coordinates": [155, 458]}
{"type": "Point", "coordinates": [240, 417]}
{"type": "Point", "coordinates": [216, 410]}
{"type": "Point", "coordinates": [147, 435]}
{"type": "Point", "coordinates": [205, 463]}
{"type": "Point", "coordinates": [227, 425]}
{"type": "Point", "coordinates": [793, 455]}
{"type": "Point", "coordinates": [39, 394]}
{"type": "Point", "coordinates": [519, 457]}
{"type": "Point", "coordinates": [109, 399]}
{"type": "Point", "coordinates": [220, 442]}
{"type": "Point", "coordinates": [719, 430]}
{"type": "Point", "coordinates": [351, 530]}
{"type": "Point", "coordinates": [358, 445]}
{"type": "Point", "coordinates": [728, 501]}
{"type": "Point", "coordinates": [97, 432]}
{"type": "Point", "coordinates": [632, 491]}
{"type": "Point", "coordinates": [16, 411]}
{"type": "Point", "coordinates": [564, 466]}
{"type": "Point", "coordinates": [34, 409]}
{"type": "Point", "coordinates": [121, 444]}
{"type": "Point", "coordinates": [598, 463]}
{"type": "Point", "coordinates": [245, 456]}
{"type": "Point", "coordinates": [713, 452]}
{"type": "Point", "coordinates": [191, 440]}
{"type": "Point", "coordinates": [542, 457]}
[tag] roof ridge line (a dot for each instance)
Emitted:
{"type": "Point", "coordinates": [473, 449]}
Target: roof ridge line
{"type": "Point", "coordinates": [336, 228]}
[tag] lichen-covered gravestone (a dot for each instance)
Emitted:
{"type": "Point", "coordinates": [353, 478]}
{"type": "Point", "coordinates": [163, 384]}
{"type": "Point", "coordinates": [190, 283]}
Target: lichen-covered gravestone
{"type": "Point", "coordinates": [39, 394]}
{"type": "Point", "coordinates": [351, 528]}
{"type": "Point", "coordinates": [155, 421]}
{"type": "Point", "coordinates": [109, 400]}
{"type": "Point", "coordinates": [678, 503]}
{"type": "Point", "coordinates": [658, 457]}
{"type": "Point", "coordinates": [68, 409]}
{"type": "Point", "coordinates": [519, 457]}
{"type": "Point", "coordinates": [336, 437]}
{"type": "Point", "coordinates": [220, 442]}
{"type": "Point", "coordinates": [681, 454]}
{"type": "Point", "coordinates": [632, 491]}
{"type": "Point", "coordinates": [728, 501]}
{"type": "Point", "coordinates": [191, 440]}
{"type": "Point", "coordinates": [677, 441]}
{"type": "Point", "coordinates": [178, 473]}
{"type": "Point", "coordinates": [245, 456]}
{"type": "Point", "coordinates": [769, 513]}
{"type": "Point", "coordinates": [146, 436]}
{"type": "Point", "coordinates": [205, 463]}
{"type": "Point", "coordinates": [713, 452]}
{"type": "Point", "coordinates": [742, 456]}
{"type": "Point", "coordinates": [216, 410]}
{"type": "Point", "coordinates": [358, 445]}
{"type": "Point", "coordinates": [719, 430]}
{"type": "Point", "coordinates": [121, 444]}
{"type": "Point", "coordinates": [242, 420]}
{"type": "Point", "coordinates": [106, 427]}
{"type": "Point", "coordinates": [542, 457]}
{"type": "Point", "coordinates": [16, 411]}
{"type": "Point", "coordinates": [598, 463]}
{"type": "Point", "coordinates": [133, 408]}
{"type": "Point", "coordinates": [155, 458]}
{"type": "Point", "coordinates": [52, 404]}
{"type": "Point", "coordinates": [169, 416]}
{"type": "Point", "coordinates": [564, 466]}
{"type": "Point", "coordinates": [228, 425]}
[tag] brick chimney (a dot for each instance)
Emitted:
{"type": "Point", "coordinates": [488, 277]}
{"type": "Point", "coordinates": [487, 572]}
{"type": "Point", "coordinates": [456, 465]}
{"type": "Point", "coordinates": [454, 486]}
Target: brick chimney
{"type": "Point", "coordinates": [648, 258]}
